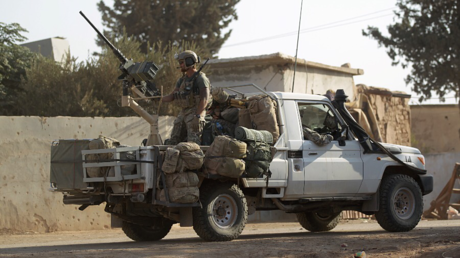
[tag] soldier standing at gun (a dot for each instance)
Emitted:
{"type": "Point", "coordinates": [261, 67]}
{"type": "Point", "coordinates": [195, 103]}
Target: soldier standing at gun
{"type": "Point", "coordinates": [192, 94]}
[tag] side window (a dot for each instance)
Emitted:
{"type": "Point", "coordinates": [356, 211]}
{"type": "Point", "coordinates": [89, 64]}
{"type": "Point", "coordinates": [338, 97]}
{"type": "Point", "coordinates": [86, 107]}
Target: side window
{"type": "Point", "coordinates": [319, 118]}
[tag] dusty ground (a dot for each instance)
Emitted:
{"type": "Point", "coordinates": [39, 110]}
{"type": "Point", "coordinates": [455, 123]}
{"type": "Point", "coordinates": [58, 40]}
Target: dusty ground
{"type": "Point", "coordinates": [428, 239]}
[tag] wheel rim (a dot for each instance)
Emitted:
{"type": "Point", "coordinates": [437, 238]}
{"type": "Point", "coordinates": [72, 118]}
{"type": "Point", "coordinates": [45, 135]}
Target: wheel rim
{"type": "Point", "coordinates": [404, 203]}
{"type": "Point", "coordinates": [224, 211]}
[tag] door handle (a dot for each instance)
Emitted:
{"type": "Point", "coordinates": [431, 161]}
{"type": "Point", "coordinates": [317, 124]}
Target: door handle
{"type": "Point", "coordinates": [312, 153]}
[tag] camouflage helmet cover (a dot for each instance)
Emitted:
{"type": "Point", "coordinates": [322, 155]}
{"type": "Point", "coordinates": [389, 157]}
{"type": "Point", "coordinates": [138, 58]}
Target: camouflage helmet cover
{"type": "Point", "coordinates": [190, 58]}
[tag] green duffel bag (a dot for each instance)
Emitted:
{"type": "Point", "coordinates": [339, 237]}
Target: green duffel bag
{"type": "Point", "coordinates": [246, 135]}
{"type": "Point", "coordinates": [255, 168]}
{"type": "Point", "coordinates": [258, 151]}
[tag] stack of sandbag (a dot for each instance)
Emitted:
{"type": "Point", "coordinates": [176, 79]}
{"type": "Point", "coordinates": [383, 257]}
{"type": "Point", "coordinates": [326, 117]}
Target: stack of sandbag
{"type": "Point", "coordinates": [178, 166]}
{"type": "Point", "coordinates": [262, 113]}
{"type": "Point", "coordinates": [224, 157]}
{"type": "Point", "coordinates": [104, 142]}
{"type": "Point", "coordinates": [259, 151]}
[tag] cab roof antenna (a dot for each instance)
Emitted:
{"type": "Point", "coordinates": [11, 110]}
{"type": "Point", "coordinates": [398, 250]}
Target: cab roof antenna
{"type": "Point", "coordinates": [297, 47]}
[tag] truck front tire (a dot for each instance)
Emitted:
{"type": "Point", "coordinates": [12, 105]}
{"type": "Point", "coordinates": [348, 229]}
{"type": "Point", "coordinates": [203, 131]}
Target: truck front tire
{"type": "Point", "coordinates": [401, 203]}
{"type": "Point", "coordinates": [223, 214]}
{"type": "Point", "coordinates": [318, 221]}
{"type": "Point", "coordinates": [146, 233]}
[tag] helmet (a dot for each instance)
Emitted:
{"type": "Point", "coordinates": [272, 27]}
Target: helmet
{"type": "Point", "coordinates": [189, 57]}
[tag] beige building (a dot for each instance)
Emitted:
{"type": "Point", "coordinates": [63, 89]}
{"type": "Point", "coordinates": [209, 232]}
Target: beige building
{"type": "Point", "coordinates": [54, 48]}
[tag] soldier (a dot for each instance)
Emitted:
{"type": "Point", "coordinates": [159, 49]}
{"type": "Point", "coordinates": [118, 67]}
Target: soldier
{"type": "Point", "coordinates": [192, 95]}
{"type": "Point", "coordinates": [330, 128]}
{"type": "Point", "coordinates": [330, 94]}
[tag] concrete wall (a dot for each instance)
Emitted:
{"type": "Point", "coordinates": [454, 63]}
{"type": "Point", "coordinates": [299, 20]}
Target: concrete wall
{"type": "Point", "coordinates": [436, 128]}
{"type": "Point", "coordinates": [441, 166]}
{"type": "Point", "coordinates": [26, 205]}
{"type": "Point", "coordinates": [436, 132]}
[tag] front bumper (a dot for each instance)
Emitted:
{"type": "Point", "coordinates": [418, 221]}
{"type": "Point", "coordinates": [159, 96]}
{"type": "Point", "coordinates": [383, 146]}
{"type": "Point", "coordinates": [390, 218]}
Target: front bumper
{"type": "Point", "coordinates": [427, 184]}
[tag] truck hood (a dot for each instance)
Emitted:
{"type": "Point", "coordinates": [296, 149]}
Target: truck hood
{"type": "Point", "coordinates": [396, 149]}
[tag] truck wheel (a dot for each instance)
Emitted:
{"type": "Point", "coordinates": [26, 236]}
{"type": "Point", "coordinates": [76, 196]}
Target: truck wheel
{"type": "Point", "coordinates": [318, 221]}
{"type": "Point", "coordinates": [146, 233]}
{"type": "Point", "coordinates": [223, 214]}
{"type": "Point", "coordinates": [401, 203]}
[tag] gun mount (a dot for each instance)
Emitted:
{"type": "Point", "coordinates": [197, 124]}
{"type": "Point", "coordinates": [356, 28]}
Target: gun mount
{"type": "Point", "coordinates": [137, 77]}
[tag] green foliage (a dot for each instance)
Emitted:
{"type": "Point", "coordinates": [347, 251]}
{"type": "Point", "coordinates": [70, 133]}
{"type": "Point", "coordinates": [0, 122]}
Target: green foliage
{"type": "Point", "coordinates": [14, 59]}
{"type": "Point", "coordinates": [199, 21]}
{"type": "Point", "coordinates": [426, 37]}
{"type": "Point", "coordinates": [92, 88]}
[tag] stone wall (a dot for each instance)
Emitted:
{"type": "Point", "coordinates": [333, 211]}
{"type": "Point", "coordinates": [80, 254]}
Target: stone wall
{"type": "Point", "coordinates": [388, 114]}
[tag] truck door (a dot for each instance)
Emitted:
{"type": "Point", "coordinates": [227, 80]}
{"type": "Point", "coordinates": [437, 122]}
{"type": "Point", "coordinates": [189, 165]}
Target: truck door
{"type": "Point", "coordinates": [330, 169]}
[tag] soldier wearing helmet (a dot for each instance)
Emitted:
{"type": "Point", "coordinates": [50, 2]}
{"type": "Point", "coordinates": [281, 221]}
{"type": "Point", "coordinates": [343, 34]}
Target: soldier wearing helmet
{"type": "Point", "coordinates": [192, 95]}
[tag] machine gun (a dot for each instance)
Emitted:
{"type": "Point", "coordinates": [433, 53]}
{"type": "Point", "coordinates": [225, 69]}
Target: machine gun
{"type": "Point", "coordinates": [139, 74]}
{"type": "Point", "coordinates": [137, 78]}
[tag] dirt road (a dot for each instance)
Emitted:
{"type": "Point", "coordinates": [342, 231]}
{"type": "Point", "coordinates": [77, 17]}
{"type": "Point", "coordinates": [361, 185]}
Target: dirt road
{"type": "Point", "coordinates": [428, 239]}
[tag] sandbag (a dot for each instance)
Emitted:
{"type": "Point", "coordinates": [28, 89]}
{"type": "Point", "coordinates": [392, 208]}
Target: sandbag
{"type": "Point", "coordinates": [230, 115]}
{"type": "Point", "coordinates": [262, 110]}
{"type": "Point", "coordinates": [190, 160]}
{"type": "Point", "coordinates": [187, 146]}
{"type": "Point", "coordinates": [170, 161]}
{"type": "Point", "coordinates": [244, 118]}
{"type": "Point", "coordinates": [226, 146]}
{"type": "Point", "coordinates": [178, 180]}
{"type": "Point", "coordinates": [225, 166]}
{"type": "Point", "coordinates": [181, 195]}
{"type": "Point", "coordinates": [245, 134]}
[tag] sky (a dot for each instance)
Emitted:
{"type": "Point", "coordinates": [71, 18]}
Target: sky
{"type": "Point", "coordinates": [330, 32]}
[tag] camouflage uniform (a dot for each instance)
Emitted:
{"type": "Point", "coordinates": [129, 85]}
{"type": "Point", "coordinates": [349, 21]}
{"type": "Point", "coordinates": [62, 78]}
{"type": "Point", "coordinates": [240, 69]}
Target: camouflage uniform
{"type": "Point", "coordinates": [318, 139]}
{"type": "Point", "coordinates": [188, 98]}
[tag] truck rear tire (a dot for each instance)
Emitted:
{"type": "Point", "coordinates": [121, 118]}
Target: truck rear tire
{"type": "Point", "coordinates": [318, 221]}
{"type": "Point", "coordinates": [401, 203]}
{"type": "Point", "coordinates": [146, 233]}
{"type": "Point", "coordinates": [223, 214]}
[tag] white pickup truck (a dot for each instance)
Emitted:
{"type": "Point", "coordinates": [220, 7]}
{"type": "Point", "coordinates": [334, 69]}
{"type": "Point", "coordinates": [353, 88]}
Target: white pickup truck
{"type": "Point", "coordinates": [352, 172]}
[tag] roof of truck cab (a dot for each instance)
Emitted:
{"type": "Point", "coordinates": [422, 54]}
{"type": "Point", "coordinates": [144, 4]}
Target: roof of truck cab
{"type": "Point", "coordinates": [298, 96]}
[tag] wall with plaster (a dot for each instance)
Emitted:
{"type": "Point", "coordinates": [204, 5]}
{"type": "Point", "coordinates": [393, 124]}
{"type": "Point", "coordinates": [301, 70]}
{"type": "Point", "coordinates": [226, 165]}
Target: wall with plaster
{"type": "Point", "coordinates": [26, 204]}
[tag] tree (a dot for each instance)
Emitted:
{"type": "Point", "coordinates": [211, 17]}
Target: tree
{"type": "Point", "coordinates": [198, 21]}
{"type": "Point", "coordinates": [14, 60]}
{"type": "Point", "coordinates": [92, 88]}
{"type": "Point", "coordinates": [425, 36]}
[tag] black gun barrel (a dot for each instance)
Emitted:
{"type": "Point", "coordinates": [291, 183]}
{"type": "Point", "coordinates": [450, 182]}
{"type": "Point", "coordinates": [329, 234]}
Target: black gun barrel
{"type": "Point", "coordinates": [117, 52]}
